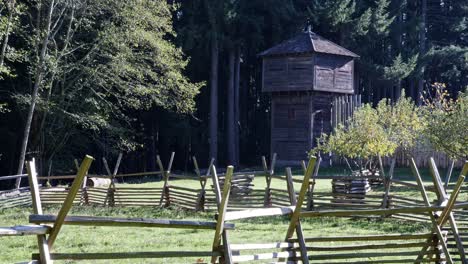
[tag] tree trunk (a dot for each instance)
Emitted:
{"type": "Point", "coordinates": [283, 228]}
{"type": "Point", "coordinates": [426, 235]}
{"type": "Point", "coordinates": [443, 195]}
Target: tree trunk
{"type": "Point", "coordinates": [231, 155]}
{"type": "Point", "coordinates": [213, 131]}
{"type": "Point", "coordinates": [237, 126]}
{"type": "Point", "coordinates": [422, 49]}
{"type": "Point", "coordinates": [37, 82]}
{"type": "Point", "coordinates": [398, 39]}
{"type": "Point", "coordinates": [11, 9]}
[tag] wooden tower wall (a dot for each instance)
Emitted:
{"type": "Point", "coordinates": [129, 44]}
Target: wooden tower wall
{"type": "Point", "coordinates": [334, 74]}
{"type": "Point", "coordinates": [283, 74]}
{"type": "Point", "coordinates": [297, 119]}
{"type": "Point", "coordinates": [291, 126]}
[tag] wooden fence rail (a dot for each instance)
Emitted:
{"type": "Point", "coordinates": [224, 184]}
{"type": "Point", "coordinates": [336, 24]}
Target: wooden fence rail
{"type": "Point", "coordinates": [47, 235]}
{"type": "Point", "coordinates": [438, 246]}
{"type": "Point", "coordinates": [444, 243]}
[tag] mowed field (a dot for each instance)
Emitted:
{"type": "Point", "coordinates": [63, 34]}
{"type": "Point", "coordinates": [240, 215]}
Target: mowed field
{"type": "Point", "coordinates": [74, 239]}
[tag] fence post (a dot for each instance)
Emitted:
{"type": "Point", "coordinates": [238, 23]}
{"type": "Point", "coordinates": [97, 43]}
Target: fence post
{"type": "Point", "coordinates": [110, 198]}
{"type": "Point", "coordinates": [84, 199]}
{"type": "Point", "coordinates": [302, 193]}
{"type": "Point", "coordinates": [166, 174]}
{"type": "Point", "coordinates": [267, 202]}
{"type": "Point", "coordinates": [201, 199]}
{"type": "Point", "coordinates": [67, 204]}
{"type": "Point", "coordinates": [298, 226]}
{"type": "Point", "coordinates": [435, 225]}
{"type": "Point", "coordinates": [44, 252]}
{"type": "Point", "coordinates": [222, 200]}
{"type": "Point", "coordinates": [310, 191]}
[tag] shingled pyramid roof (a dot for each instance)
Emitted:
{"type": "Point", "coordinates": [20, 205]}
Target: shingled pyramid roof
{"type": "Point", "coordinates": [307, 42]}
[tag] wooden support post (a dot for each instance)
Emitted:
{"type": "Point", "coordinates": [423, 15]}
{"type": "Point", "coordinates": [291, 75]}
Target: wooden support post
{"type": "Point", "coordinates": [444, 216]}
{"type": "Point", "coordinates": [303, 166]}
{"type": "Point", "coordinates": [67, 204]}
{"type": "Point", "coordinates": [439, 190]}
{"type": "Point", "coordinates": [301, 198]}
{"type": "Point", "coordinates": [110, 197]}
{"type": "Point", "coordinates": [388, 184]}
{"type": "Point", "coordinates": [310, 191]}
{"type": "Point", "coordinates": [199, 205]}
{"type": "Point", "coordinates": [201, 197]}
{"type": "Point", "coordinates": [268, 177]}
{"type": "Point", "coordinates": [84, 200]}
{"type": "Point", "coordinates": [117, 165]}
{"type": "Point", "coordinates": [171, 160]}
{"type": "Point", "coordinates": [166, 175]}
{"type": "Point", "coordinates": [44, 253]}
{"type": "Point", "coordinates": [449, 174]}
{"type": "Point", "coordinates": [299, 232]}
{"type": "Point", "coordinates": [222, 200]}
{"type": "Point", "coordinates": [449, 203]}
{"type": "Point", "coordinates": [197, 168]}
{"type": "Point", "coordinates": [435, 225]}
{"type": "Point", "coordinates": [163, 173]}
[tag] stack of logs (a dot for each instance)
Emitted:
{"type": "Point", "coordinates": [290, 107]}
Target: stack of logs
{"type": "Point", "coordinates": [356, 186]}
{"type": "Point", "coordinates": [241, 184]}
{"type": "Point", "coordinates": [351, 186]}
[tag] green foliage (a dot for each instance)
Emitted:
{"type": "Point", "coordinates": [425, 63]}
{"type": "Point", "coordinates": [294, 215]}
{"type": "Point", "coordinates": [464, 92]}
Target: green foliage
{"type": "Point", "coordinates": [363, 23]}
{"type": "Point", "coordinates": [447, 122]}
{"type": "Point", "coordinates": [336, 13]}
{"type": "Point", "coordinates": [400, 69]}
{"type": "Point", "coordinates": [106, 61]}
{"type": "Point", "coordinates": [381, 19]}
{"type": "Point", "coordinates": [401, 121]}
{"type": "Point", "coordinates": [374, 132]}
{"type": "Point", "coordinates": [4, 108]}
{"type": "Point", "coordinates": [362, 138]}
{"type": "Point", "coordinates": [10, 26]}
{"type": "Point", "coordinates": [148, 67]}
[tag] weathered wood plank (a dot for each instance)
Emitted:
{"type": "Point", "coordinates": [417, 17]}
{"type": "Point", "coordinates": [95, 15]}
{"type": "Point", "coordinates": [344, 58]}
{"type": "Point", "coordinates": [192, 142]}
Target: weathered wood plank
{"type": "Point", "coordinates": [131, 255]}
{"type": "Point", "coordinates": [263, 256]}
{"type": "Point", "coordinates": [301, 198]}
{"type": "Point", "coordinates": [222, 201]}
{"type": "Point", "coordinates": [261, 246]}
{"type": "Point", "coordinates": [44, 251]}
{"type": "Point", "coordinates": [412, 210]}
{"type": "Point", "coordinates": [236, 215]}
{"type": "Point", "coordinates": [383, 237]}
{"type": "Point", "coordinates": [135, 222]}
{"type": "Point", "coordinates": [67, 204]}
{"type": "Point", "coordinates": [24, 230]}
{"type": "Point", "coordinates": [436, 227]}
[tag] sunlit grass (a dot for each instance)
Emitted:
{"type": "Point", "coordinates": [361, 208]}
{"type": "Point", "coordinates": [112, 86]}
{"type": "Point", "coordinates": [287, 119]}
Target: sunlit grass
{"type": "Point", "coordinates": [125, 239]}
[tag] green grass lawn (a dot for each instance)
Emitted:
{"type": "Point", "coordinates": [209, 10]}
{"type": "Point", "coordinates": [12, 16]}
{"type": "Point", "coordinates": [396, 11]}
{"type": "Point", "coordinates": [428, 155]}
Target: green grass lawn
{"type": "Point", "coordinates": [125, 239]}
{"type": "Point", "coordinates": [110, 239]}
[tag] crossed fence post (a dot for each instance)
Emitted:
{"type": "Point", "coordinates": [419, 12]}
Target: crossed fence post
{"type": "Point", "coordinates": [84, 198]}
{"type": "Point", "coordinates": [201, 197]}
{"type": "Point", "coordinates": [44, 252]}
{"type": "Point", "coordinates": [110, 197]}
{"type": "Point", "coordinates": [165, 195]}
{"type": "Point", "coordinates": [268, 176]}
{"type": "Point", "coordinates": [295, 223]}
{"type": "Point", "coordinates": [444, 200]}
{"type": "Point", "coordinates": [311, 187]}
{"type": "Point", "coordinates": [46, 243]}
{"type": "Point", "coordinates": [438, 219]}
{"type": "Point", "coordinates": [222, 199]}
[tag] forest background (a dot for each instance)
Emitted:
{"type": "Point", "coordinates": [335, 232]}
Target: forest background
{"type": "Point", "coordinates": [150, 77]}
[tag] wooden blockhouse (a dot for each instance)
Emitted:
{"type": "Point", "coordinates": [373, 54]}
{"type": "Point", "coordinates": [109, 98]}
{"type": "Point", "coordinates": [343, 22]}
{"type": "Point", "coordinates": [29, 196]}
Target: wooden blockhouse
{"type": "Point", "coordinates": [304, 74]}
